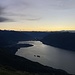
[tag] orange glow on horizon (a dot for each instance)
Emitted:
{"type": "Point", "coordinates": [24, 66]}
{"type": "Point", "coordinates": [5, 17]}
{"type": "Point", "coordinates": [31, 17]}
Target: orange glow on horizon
{"type": "Point", "coordinates": [34, 27]}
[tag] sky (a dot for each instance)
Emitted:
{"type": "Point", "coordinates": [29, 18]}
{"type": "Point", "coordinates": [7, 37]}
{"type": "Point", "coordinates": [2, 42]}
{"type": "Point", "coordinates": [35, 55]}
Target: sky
{"type": "Point", "coordinates": [37, 15]}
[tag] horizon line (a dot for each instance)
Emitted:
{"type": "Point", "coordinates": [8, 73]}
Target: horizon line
{"type": "Point", "coordinates": [36, 30]}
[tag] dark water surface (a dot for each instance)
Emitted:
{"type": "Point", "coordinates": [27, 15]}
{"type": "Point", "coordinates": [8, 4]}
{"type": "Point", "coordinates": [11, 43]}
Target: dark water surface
{"type": "Point", "coordinates": [48, 55]}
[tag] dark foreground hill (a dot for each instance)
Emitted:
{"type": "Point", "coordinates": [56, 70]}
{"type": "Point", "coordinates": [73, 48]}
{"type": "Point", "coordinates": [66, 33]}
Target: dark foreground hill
{"type": "Point", "coordinates": [22, 64]}
{"type": "Point", "coordinates": [63, 40]}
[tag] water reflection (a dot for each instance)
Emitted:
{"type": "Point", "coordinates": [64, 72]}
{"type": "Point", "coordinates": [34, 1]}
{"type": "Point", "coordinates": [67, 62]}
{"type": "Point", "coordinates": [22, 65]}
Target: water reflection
{"type": "Point", "coordinates": [50, 56]}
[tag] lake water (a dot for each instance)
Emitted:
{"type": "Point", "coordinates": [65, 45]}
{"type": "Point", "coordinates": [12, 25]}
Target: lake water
{"type": "Point", "coordinates": [49, 56]}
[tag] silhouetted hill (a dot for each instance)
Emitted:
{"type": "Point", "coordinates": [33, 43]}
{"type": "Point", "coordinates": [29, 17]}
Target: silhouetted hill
{"type": "Point", "coordinates": [12, 37]}
{"type": "Point", "coordinates": [37, 35]}
{"type": "Point", "coordinates": [64, 40]}
{"type": "Point", "coordinates": [22, 64]}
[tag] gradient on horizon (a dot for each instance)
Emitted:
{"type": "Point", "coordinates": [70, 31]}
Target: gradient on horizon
{"type": "Point", "coordinates": [37, 15]}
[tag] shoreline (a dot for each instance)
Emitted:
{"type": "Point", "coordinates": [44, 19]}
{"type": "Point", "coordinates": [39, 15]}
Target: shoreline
{"type": "Point", "coordinates": [13, 49]}
{"type": "Point", "coordinates": [23, 64]}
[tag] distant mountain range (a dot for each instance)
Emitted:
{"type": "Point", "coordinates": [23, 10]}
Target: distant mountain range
{"type": "Point", "coordinates": [59, 39]}
{"type": "Point", "coordinates": [12, 37]}
{"type": "Point", "coordinates": [63, 40]}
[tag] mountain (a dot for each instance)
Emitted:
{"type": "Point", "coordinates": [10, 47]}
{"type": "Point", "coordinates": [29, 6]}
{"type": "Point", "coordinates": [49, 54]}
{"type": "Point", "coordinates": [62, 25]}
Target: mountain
{"type": "Point", "coordinates": [17, 63]}
{"type": "Point", "coordinates": [37, 35]}
{"type": "Point", "coordinates": [63, 40]}
{"type": "Point", "coordinates": [12, 37]}
{"type": "Point", "coordinates": [10, 61]}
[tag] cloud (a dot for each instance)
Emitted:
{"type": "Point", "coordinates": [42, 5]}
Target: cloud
{"type": "Point", "coordinates": [20, 17]}
{"type": "Point", "coordinates": [23, 9]}
{"type": "Point", "coordinates": [2, 18]}
{"type": "Point", "coordinates": [34, 19]}
{"type": "Point", "coordinates": [60, 4]}
{"type": "Point", "coordinates": [15, 14]}
{"type": "Point", "coordinates": [18, 10]}
{"type": "Point", "coordinates": [1, 10]}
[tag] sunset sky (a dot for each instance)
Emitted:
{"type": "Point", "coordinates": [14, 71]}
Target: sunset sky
{"type": "Point", "coordinates": [37, 15]}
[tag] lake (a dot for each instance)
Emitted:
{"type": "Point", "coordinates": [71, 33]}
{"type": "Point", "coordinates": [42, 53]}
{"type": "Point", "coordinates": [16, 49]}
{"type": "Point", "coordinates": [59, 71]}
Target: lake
{"type": "Point", "coordinates": [48, 55]}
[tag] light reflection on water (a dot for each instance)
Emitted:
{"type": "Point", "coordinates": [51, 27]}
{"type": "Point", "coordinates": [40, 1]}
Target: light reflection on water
{"type": "Point", "coordinates": [50, 56]}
